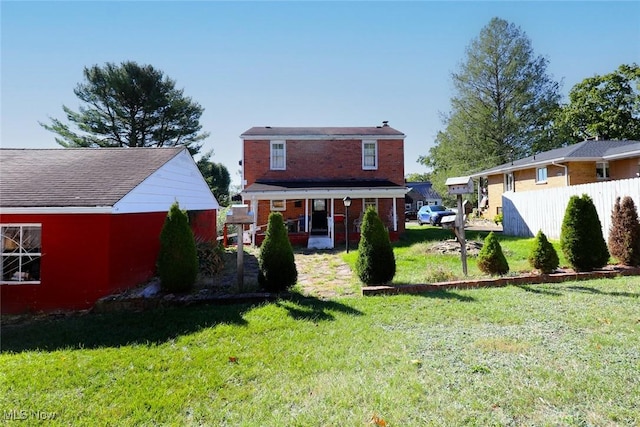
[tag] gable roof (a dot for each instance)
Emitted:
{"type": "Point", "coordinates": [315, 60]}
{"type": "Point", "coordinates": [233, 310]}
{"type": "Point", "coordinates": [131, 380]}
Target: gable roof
{"type": "Point", "coordinates": [425, 189]}
{"type": "Point", "coordinates": [582, 151]}
{"type": "Point", "coordinates": [78, 177]}
{"type": "Point", "coordinates": [269, 132]}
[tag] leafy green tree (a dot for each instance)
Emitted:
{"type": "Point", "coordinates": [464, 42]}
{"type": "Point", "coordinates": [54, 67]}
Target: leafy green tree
{"type": "Point", "coordinates": [503, 106]}
{"type": "Point", "coordinates": [624, 235]}
{"type": "Point", "coordinates": [277, 266]}
{"type": "Point", "coordinates": [130, 105]}
{"type": "Point", "coordinates": [418, 177]}
{"type": "Point", "coordinates": [217, 177]}
{"type": "Point", "coordinates": [178, 258]}
{"type": "Point", "coordinates": [543, 255]}
{"type": "Point", "coordinates": [581, 236]}
{"type": "Point", "coordinates": [491, 259]}
{"type": "Point", "coordinates": [604, 107]}
{"type": "Point", "coordinates": [376, 263]}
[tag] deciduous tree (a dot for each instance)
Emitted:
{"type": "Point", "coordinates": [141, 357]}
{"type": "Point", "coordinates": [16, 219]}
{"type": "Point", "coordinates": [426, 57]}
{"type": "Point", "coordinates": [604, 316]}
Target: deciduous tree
{"type": "Point", "coordinates": [217, 177]}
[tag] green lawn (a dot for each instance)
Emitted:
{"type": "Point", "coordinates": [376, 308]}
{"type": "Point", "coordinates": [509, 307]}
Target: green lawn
{"type": "Point", "coordinates": [563, 354]}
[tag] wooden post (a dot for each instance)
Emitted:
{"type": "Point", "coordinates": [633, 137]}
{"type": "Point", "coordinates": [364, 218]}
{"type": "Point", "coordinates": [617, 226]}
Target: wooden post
{"type": "Point", "coordinates": [460, 235]}
{"type": "Point", "coordinates": [240, 257]}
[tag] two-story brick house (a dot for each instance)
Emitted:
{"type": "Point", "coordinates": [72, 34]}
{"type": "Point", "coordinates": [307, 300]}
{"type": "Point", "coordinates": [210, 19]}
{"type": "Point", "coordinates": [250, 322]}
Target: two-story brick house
{"type": "Point", "coordinates": [306, 172]}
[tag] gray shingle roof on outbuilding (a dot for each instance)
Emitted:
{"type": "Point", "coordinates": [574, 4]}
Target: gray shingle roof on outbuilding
{"type": "Point", "coordinates": [75, 177]}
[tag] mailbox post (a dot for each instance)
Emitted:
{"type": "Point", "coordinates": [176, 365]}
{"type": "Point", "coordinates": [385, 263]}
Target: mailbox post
{"type": "Point", "coordinates": [459, 186]}
{"type": "Point", "coordinates": [240, 215]}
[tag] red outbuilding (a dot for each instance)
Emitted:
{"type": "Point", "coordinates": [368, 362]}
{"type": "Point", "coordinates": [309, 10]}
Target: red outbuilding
{"type": "Point", "coordinates": [79, 224]}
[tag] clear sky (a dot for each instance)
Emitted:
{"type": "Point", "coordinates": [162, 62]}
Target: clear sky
{"type": "Point", "coordinates": [290, 63]}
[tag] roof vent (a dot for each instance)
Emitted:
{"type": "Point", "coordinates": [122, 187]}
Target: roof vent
{"type": "Point", "coordinates": [268, 127]}
{"type": "Point", "coordinates": [385, 124]}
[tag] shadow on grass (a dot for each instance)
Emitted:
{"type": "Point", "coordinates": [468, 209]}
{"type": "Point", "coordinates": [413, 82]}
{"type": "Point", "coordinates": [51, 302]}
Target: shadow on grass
{"type": "Point", "coordinates": [538, 290]}
{"type": "Point", "coordinates": [313, 309]}
{"type": "Point", "coordinates": [89, 330]}
{"type": "Point", "coordinates": [599, 292]}
{"type": "Point", "coordinates": [443, 294]}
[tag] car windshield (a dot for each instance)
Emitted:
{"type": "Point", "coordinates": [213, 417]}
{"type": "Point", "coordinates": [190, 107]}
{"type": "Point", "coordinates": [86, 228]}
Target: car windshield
{"type": "Point", "coordinates": [438, 208]}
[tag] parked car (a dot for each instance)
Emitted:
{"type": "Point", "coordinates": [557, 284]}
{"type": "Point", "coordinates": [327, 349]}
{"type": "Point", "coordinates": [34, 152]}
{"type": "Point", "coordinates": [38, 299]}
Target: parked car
{"type": "Point", "coordinates": [410, 215]}
{"type": "Point", "coordinates": [433, 214]}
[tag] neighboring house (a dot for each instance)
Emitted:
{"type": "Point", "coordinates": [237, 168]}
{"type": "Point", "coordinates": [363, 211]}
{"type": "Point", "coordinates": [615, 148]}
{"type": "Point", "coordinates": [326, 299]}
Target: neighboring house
{"type": "Point", "coordinates": [420, 194]}
{"type": "Point", "coordinates": [79, 224]}
{"type": "Point", "coordinates": [581, 163]}
{"type": "Point", "coordinates": [306, 172]}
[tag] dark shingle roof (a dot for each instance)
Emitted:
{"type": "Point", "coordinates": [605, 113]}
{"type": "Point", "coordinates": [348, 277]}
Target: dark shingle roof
{"type": "Point", "coordinates": [266, 131]}
{"type": "Point", "coordinates": [425, 189]}
{"type": "Point", "coordinates": [585, 150]}
{"type": "Point", "coordinates": [75, 177]}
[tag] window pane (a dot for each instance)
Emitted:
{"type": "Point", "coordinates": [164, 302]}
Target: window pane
{"type": "Point", "coordinates": [369, 159]}
{"type": "Point", "coordinates": [21, 246]}
{"type": "Point", "coordinates": [277, 156]}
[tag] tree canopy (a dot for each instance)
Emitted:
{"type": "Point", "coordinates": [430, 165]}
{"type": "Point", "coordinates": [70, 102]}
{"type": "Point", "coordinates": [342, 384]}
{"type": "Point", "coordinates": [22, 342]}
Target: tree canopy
{"type": "Point", "coordinates": [217, 177]}
{"type": "Point", "coordinates": [130, 105]}
{"type": "Point", "coordinates": [603, 107]}
{"type": "Point", "coordinates": [502, 109]}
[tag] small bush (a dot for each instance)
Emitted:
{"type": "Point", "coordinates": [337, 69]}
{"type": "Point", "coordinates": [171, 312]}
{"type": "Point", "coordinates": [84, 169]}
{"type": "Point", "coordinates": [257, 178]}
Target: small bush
{"type": "Point", "coordinates": [581, 236]}
{"type": "Point", "coordinates": [276, 262]}
{"type": "Point", "coordinates": [178, 257]}
{"type": "Point", "coordinates": [491, 260]}
{"type": "Point", "coordinates": [543, 255]}
{"type": "Point", "coordinates": [376, 263]}
{"type": "Point", "coordinates": [498, 219]}
{"type": "Point", "coordinates": [624, 234]}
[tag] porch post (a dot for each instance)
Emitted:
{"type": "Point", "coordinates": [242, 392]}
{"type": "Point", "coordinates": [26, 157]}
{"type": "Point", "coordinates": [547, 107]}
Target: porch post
{"type": "Point", "coordinates": [395, 215]}
{"type": "Point", "coordinates": [254, 226]}
{"type": "Point", "coordinates": [332, 226]}
{"type": "Point", "coordinates": [306, 215]}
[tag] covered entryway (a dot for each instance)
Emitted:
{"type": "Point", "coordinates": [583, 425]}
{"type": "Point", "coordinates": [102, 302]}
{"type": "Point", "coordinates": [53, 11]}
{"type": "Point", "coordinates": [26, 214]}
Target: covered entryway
{"type": "Point", "coordinates": [319, 223]}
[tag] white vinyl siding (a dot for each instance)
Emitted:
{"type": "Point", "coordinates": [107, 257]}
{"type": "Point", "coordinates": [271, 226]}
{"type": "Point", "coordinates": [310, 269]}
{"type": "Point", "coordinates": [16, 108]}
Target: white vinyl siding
{"type": "Point", "coordinates": [278, 155]}
{"type": "Point", "coordinates": [369, 155]}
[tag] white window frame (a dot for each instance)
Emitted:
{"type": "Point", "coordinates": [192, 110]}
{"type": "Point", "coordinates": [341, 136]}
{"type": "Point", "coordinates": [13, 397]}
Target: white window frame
{"type": "Point", "coordinates": [366, 158]}
{"type": "Point", "coordinates": [278, 205]}
{"type": "Point", "coordinates": [273, 158]}
{"type": "Point", "coordinates": [419, 204]}
{"type": "Point", "coordinates": [370, 201]}
{"type": "Point", "coordinates": [604, 166]}
{"type": "Point", "coordinates": [509, 182]}
{"type": "Point", "coordinates": [22, 278]}
{"type": "Point", "coordinates": [541, 179]}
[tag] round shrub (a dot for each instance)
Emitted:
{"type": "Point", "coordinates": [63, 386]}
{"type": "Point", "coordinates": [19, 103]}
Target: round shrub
{"type": "Point", "coordinates": [581, 236]}
{"type": "Point", "coordinates": [276, 262]}
{"type": "Point", "coordinates": [376, 263]}
{"type": "Point", "coordinates": [543, 255]}
{"type": "Point", "coordinates": [624, 234]}
{"type": "Point", "coordinates": [178, 257]}
{"type": "Point", "coordinates": [491, 260]}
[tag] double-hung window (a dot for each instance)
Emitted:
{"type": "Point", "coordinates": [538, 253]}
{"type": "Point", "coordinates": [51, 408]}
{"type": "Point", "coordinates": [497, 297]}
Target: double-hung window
{"type": "Point", "coordinates": [508, 182]}
{"type": "Point", "coordinates": [602, 170]}
{"type": "Point", "coordinates": [541, 175]}
{"type": "Point", "coordinates": [370, 203]}
{"type": "Point", "coordinates": [21, 253]}
{"type": "Point", "coordinates": [369, 154]}
{"type": "Point", "coordinates": [278, 155]}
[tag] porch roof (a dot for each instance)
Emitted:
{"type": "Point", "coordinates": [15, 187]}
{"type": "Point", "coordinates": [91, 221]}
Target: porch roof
{"type": "Point", "coordinates": [305, 189]}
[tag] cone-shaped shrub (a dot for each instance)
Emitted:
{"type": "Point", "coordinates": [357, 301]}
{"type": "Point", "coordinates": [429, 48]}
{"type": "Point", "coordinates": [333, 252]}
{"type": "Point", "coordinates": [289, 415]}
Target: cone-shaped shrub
{"type": "Point", "coordinates": [491, 260]}
{"type": "Point", "coordinates": [376, 263]}
{"type": "Point", "coordinates": [543, 255]}
{"type": "Point", "coordinates": [178, 257]}
{"type": "Point", "coordinates": [581, 236]}
{"type": "Point", "coordinates": [277, 264]}
{"type": "Point", "coordinates": [624, 234]}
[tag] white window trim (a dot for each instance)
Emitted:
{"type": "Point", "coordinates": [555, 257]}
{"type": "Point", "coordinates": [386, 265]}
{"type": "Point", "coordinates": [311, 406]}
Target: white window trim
{"type": "Point", "coordinates": [376, 158]}
{"type": "Point", "coordinates": [284, 155]}
{"type": "Point", "coordinates": [506, 181]}
{"type": "Point", "coordinates": [38, 254]}
{"type": "Point", "coordinates": [365, 206]}
{"type": "Point", "coordinates": [546, 173]}
{"type": "Point", "coordinates": [605, 168]}
{"type": "Point", "coordinates": [278, 206]}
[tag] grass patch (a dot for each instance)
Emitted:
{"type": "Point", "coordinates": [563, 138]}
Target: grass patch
{"type": "Point", "coordinates": [565, 354]}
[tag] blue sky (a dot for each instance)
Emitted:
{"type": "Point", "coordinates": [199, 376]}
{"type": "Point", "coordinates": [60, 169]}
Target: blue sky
{"type": "Point", "coordinates": [290, 63]}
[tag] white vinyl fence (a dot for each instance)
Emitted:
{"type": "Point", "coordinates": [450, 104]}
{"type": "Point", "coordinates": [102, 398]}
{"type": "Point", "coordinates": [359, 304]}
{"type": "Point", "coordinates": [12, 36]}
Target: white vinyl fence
{"type": "Point", "coordinates": [527, 212]}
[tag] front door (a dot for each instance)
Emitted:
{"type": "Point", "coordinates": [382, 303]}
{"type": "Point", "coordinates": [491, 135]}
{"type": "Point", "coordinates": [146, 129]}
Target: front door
{"type": "Point", "coordinates": [319, 217]}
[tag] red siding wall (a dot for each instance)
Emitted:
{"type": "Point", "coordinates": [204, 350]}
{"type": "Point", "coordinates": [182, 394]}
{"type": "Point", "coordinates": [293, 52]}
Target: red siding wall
{"type": "Point", "coordinates": [88, 256]}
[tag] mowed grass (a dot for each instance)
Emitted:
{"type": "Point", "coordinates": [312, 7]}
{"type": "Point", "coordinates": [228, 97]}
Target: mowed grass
{"type": "Point", "coordinates": [544, 355]}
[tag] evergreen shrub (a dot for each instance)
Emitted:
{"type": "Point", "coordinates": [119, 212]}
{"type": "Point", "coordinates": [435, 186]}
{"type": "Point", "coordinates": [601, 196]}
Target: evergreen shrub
{"type": "Point", "coordinates": [376, 263]}
{"type": "Point", "coordinates": [581, 236]}
{"type": "Point", "coordinates": [543, 255]}
{"type": "Point", "coordinates": [491, 259]}
{"type": "Point", "coordinates": [624, 234]}
{"type": "Point", "coordinates": [178, 257]}
{"type": "Point", "coordinates": [276, 262]}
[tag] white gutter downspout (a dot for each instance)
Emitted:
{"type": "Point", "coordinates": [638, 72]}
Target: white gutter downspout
{"type": "Point", "coordinates": [566, 173]}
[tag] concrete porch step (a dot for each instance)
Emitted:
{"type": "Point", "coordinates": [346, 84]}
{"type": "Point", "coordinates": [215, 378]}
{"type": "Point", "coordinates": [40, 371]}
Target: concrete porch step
{"type": "Point", "coordinates": [320, 242]}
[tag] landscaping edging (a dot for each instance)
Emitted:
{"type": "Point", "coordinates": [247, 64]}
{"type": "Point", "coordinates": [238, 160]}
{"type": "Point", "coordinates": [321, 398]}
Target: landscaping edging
{"type": "Point", "coordinates": [529, 279]}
